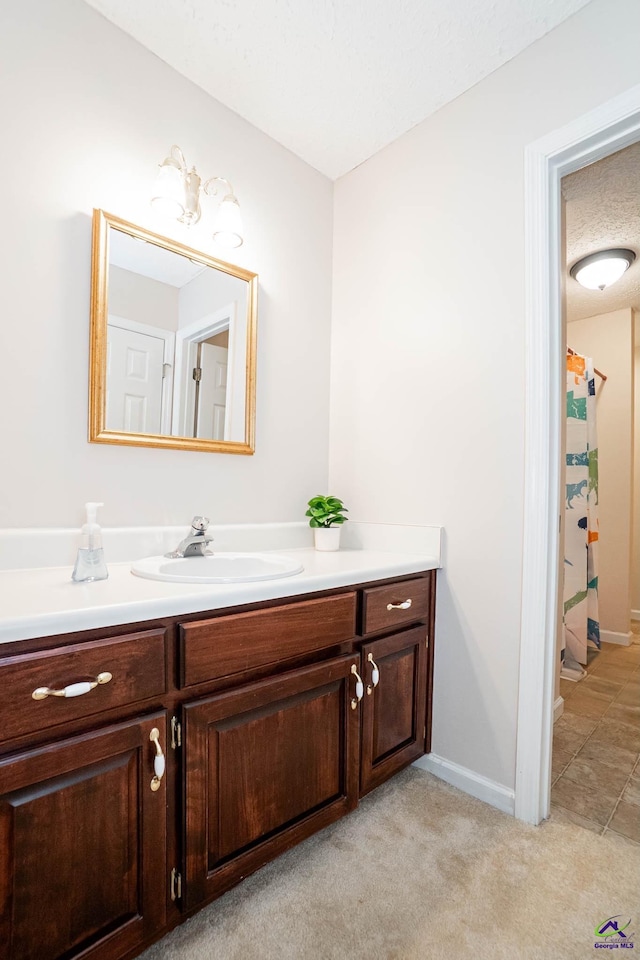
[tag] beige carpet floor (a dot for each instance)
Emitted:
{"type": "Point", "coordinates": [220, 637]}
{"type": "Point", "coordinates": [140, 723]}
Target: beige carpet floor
{"type": "Point", "coordinates": [418, 871]}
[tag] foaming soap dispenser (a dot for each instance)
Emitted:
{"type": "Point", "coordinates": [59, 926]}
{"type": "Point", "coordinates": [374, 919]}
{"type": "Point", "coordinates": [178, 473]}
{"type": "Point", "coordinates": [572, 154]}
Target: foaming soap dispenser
{"type": "Point", "coordinates": [90, 562]}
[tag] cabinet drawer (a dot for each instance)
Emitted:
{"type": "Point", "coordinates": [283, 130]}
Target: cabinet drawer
{"type": "Point", "coordinates": [387, 607]}
{"type": "Point", "coordinates": [223, 646]}
{"type": "Point", "coordinates": [135, 661]}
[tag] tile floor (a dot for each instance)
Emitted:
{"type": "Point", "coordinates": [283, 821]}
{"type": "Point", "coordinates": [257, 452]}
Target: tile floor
{"type": "Point", "coordinates": [595, 770]}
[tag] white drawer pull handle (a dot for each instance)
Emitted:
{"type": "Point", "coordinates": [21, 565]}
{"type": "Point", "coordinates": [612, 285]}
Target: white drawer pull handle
{"type": "Point", "coordinates": [359, 687]}
{"type": "Point", "coordinates": [399, 606]}
{"type": "Point", "coordinates": [72, 689]}
{"type": "Point", "coordinates": [158, 760]}
{"type": "Point", "coordinates": [375, 675]}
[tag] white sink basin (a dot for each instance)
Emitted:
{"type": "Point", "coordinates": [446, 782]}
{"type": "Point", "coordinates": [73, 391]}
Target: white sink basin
{"type": "Point", "coordinates": [217, 568]}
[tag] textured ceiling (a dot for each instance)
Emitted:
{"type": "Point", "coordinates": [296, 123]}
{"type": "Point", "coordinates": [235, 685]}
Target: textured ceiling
{"type": "Point", "coordinates": [603, 210]}
{"type": "Point", "coordinates": [336, 80]}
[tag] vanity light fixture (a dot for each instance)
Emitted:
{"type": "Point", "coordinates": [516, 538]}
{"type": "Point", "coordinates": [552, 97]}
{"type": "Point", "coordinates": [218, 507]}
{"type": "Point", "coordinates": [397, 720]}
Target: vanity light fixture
{"type": "Point", "coordinates": [177, 195]}
{"type": "Point", "coordinates": [600, 270]}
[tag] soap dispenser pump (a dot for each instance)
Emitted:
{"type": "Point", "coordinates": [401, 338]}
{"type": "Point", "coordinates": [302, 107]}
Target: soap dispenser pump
{"type": "Point", "coordinates": [90, 562]}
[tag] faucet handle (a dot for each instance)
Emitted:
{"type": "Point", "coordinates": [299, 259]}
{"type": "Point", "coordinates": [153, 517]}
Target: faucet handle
{"type": "Point", "coordinates": [199, 524]}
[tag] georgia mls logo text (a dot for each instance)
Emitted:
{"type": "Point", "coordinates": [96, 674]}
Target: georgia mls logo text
{"type": "Point", "coordinates": [611, 933]}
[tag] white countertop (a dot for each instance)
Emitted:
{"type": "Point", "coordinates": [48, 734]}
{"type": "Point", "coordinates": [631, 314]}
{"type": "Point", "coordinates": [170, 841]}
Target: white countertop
{"type": "Point", "coordinates": [45, 602]}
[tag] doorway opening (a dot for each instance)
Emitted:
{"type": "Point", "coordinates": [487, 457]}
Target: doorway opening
{"type": "Point", "coordinates": [596, 745]}
{"type": "Point", "coordinates": [208, 382]}
{"type": "Point", "coordinates": [610, 128]}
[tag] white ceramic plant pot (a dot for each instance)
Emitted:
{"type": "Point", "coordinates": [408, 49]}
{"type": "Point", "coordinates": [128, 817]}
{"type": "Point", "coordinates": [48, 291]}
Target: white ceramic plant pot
{"type": "Point", "coordinates": [327, 538]}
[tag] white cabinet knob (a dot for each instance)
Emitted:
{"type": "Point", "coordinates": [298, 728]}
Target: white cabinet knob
{"type": "Point", "coordinates": [359, 687]}
{"type": "Point", "coordinates": [72, 689]}
{"type": "Point", "coordinates": [375, 674]}
{"type": "Point", "coordinates": [158, 760]}
{"type": "Point", "coordinates": [405, 605]}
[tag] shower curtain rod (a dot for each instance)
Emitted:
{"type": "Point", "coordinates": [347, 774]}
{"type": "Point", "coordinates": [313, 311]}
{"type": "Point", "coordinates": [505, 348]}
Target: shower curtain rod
{"type": "Point", "coordinates": [602, 376]}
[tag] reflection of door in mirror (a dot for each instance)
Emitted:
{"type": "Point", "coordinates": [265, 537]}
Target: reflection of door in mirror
{"type": "Point", "coordinates": [212, 391]}
{"type": "Point", "coordinates": [138, 394]}
{"type": "Point", "coordinates": [176, 344]}
{"type": "Point", "coordinates": [210, 375]}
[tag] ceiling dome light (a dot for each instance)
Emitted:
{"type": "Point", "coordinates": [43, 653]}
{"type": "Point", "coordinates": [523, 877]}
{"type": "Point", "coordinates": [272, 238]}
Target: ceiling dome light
{"type": "Point", "coordinates": [600, 270]}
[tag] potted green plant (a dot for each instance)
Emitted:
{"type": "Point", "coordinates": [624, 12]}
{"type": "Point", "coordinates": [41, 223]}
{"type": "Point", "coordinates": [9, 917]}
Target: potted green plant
{"type": "Point", "coordinates": [326, 519]}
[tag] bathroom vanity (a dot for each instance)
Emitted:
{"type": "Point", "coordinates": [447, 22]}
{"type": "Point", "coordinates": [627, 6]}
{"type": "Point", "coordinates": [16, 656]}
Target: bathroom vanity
{"type": "Point", "coordinates": [192, 749]}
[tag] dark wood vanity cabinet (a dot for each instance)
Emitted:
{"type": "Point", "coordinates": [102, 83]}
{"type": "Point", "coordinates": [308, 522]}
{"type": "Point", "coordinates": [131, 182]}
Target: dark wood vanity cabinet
{"type": "Point", "coordinates": [394, 716]}
{"type": "Point", "coordinates": [274, 719]}
{"type": "Point", "coordinates": [265, 766]}
{"type": "Point", "coordinates": [82, 846]}
{"type": "Point", "coordinates": [397, 661]}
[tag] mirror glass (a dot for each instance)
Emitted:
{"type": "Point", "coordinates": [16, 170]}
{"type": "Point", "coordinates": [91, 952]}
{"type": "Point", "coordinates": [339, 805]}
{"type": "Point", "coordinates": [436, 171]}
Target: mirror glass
{"type": "Point", "coordinates": [172, 344]}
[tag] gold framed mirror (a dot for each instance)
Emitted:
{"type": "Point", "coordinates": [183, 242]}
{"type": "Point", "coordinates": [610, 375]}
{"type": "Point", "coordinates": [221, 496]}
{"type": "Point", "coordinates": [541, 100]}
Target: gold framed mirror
{"type": "Point", "coordinates": [172, 359]}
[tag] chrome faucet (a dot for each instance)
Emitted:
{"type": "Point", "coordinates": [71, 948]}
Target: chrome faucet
{"type": "Point", "coordinates": [195, 543]}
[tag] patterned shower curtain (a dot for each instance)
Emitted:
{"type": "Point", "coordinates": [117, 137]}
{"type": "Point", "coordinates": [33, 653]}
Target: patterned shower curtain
{"type": "Point", "coordinates": [581, 620]}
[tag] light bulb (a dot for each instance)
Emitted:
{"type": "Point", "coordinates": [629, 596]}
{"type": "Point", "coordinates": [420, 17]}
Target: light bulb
{"type": "Point", "coordinates": [169, 193]}
{"type": "Point", "coordinates": [597, 276]}
{"type": "Point", "coordinates": [228, 226]}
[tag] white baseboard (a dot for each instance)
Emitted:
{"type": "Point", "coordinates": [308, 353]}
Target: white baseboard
{"type": "Point", "coordinates": [635, 614]}
{"type": "Point", "coordinates": [473, 783]}
{"type": "Point", "coordinates": [558, 709]}
{"type": "Point", "coordinates": [572, 670]}
{"type": "Point", "coordinates": [609, 636]}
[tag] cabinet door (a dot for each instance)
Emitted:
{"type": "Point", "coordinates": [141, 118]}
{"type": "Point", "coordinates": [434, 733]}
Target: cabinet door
{"type": "Point", "coordinates": [267, 765]}
{"type": "Point", "coordinates": [394, 711]}
{"type": "Point", "coordinates": [82, 846]}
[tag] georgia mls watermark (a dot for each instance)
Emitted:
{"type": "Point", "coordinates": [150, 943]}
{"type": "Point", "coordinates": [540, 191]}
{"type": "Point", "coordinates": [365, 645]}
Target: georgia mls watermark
{"type": "Point", "coordinates": [613, 934]}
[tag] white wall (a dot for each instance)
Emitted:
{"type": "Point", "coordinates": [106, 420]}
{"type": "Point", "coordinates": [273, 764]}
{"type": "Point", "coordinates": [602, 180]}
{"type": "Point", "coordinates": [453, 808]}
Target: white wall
{"type": "Point", "coordinates": [87, 115]}
{"type": "Point", "coordinates": [210, 291]}
{"type": "Point", "coordinates": [608, 339]}
{"type": "Point", "coordinates": [142, 299]}
{"type": "Point", "coordinates": [428, 353]}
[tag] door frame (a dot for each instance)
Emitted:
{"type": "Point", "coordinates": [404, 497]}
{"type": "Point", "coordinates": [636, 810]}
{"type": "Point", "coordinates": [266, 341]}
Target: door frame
{"type": "Point", "coordinates": [225, 318]}
{"type": "Point", "coordinates": [605, 130]}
